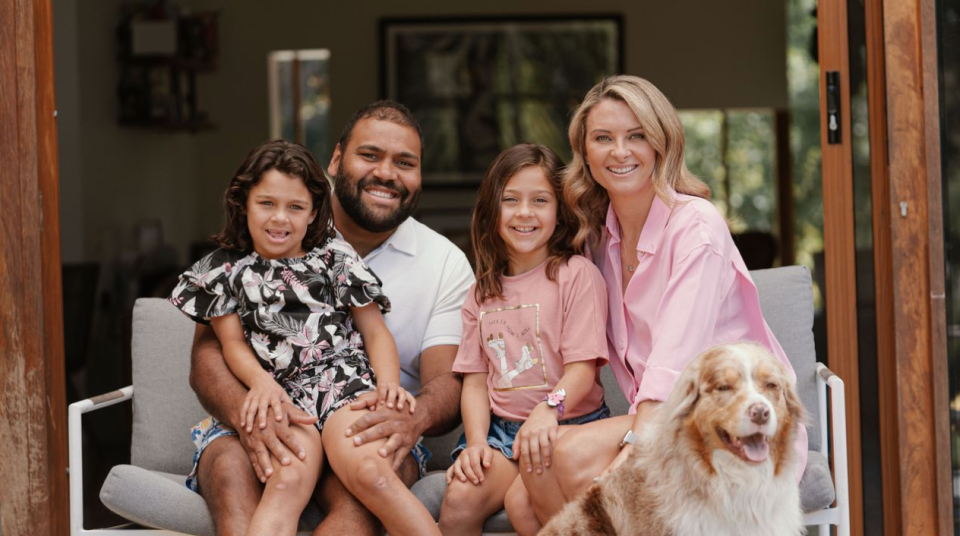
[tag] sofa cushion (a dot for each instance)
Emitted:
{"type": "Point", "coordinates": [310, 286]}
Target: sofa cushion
{"type": "Point", "coordinates": [164, 406]}
{"type": "Point", "coordinates": [162, 501]}
{"type": "Point", "coordinates": [430, 490]}
{"type": "Point", "coordinates": [816, 486]}
{"type": "Point", "coordinates": [786, 298]}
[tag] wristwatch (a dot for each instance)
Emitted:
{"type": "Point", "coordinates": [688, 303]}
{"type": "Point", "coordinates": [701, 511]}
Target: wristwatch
{"type": "Point", "coordinates": [555, 400]}
{"type": "Point", "coordinates": [629, 438]}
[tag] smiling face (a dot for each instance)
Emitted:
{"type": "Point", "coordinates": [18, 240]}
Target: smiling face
{"type": "Point", "coordinates": [617, 152]}
{"type": "Point", "coordinates": [278, 211]}
{"type": "Point", "coordinates": [377, 174]}
{"type": "Point", "coordinates": [739, 407]}
{"type": "Point", "coordinates": [528, 217]}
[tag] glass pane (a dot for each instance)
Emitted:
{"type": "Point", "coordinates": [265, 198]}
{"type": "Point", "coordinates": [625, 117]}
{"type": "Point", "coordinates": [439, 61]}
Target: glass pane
{"type": "Point", "coordinates": [948, 37]}
{"type": "Point", "coordinates": [704, 151]}
{"type": "Point", "coordinates": [866, 292]}
{"type": "Point", "coordinates": [751, 164]}
{"type": "Point", "coordinates": [315, 103]}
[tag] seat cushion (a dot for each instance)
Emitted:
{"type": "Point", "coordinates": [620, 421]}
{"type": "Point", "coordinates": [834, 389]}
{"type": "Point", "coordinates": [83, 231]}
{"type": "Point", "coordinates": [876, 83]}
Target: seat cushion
{"type": "Point", "coordinates": [430, 490]}
{"type": "Point", "coordinates": [161, 500]}
{"type": "Point", "coordinates": [816, 486]}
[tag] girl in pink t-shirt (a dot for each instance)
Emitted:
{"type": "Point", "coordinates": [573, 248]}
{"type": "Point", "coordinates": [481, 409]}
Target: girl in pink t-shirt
{"type": "Point", "coordinates": [534, 339]}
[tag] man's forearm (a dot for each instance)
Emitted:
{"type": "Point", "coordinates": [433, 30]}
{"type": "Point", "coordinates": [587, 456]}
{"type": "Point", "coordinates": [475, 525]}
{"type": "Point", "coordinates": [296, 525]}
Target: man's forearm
{"type": "Point", "coordinates": [440, 401]}
{"type": "Point", "coordinates": [217, 389]}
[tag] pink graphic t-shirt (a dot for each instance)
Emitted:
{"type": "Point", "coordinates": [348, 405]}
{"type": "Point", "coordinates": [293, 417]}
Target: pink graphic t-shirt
{"type": "Point", "coordinates": [523, 341]}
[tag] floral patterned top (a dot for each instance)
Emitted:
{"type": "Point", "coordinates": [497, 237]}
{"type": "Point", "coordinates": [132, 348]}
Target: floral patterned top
{"type": "Point", "coordinates": [295, 312]}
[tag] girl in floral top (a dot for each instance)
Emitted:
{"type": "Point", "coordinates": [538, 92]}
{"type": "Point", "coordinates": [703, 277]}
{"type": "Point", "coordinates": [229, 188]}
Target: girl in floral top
{"type": "Point", "coordinates": [298, 314]}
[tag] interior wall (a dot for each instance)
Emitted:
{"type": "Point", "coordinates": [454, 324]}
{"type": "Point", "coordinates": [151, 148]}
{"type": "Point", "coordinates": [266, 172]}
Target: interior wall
{"type": "Point", "coordinates": [701, 53]}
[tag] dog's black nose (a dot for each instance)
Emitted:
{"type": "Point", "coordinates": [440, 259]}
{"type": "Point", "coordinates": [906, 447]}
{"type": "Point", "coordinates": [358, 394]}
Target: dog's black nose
{"type": "Point", "coordinates": [759, 413]}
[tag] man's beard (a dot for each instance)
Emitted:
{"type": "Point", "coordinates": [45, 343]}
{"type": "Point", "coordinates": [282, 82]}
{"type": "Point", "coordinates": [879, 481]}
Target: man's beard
{"type": "Point", "coordinates": [368, 219]}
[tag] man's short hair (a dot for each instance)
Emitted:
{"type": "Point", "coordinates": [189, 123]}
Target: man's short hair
{"type": "Point", "coordinates": [383, 110]}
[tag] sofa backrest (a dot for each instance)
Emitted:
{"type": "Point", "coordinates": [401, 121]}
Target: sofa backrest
{"type": "Point", "coordinates": [165, 407]}
{"type": "Point", "coordinates": [786, 298]}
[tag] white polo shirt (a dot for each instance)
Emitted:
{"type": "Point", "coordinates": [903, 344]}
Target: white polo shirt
{"type": "Point", "coordinates": [426, 278]}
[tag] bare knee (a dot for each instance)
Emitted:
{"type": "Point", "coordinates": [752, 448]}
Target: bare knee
{"type": "Point", "coordinates": [290, 479]}
{"type": "Point", "coordinates": [224, 466]}
{"type": "Point", "coordinates": [517, 502]}
{"type": "Point", "coordinates": [461, 505]}
{"type": "Point", "coordinates": [573, 465]}
{"type": "Point", "coordinates": [372, 476]}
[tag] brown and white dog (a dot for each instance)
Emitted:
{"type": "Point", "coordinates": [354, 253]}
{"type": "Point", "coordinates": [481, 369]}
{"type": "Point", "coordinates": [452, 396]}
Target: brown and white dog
{"type": "Point", "coordinates": [717, 459]}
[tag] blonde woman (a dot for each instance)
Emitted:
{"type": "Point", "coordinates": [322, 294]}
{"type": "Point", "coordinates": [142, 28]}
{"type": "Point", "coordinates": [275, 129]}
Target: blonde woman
{"type": "Point", "coordinates": [676, 283]}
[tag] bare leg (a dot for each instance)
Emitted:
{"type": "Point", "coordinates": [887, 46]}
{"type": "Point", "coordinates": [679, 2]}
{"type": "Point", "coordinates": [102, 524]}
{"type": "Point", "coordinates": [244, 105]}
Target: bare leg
{"type": "Point", "coordinates": [289, 488]}
{"type": "Point", "coordinates": [344, 513]}
{"type": "Point", "coordinates": [520, 509]}
{"type": "Point", "coordinates": [466, 506]}
{"type": "Point", "coordinates": [228, 485]}
{"type": "Point", "coordinates": [371, 479]}
{"type": "Point", "coordinates": [582, 453]}
{"type": "Point", "coordinates": [550, 497]}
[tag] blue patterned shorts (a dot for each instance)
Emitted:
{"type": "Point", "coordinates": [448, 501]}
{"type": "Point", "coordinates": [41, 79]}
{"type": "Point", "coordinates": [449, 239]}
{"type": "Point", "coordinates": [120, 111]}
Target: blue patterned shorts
{"type": "Point", "coordinates": [210, 429]}
{"type": "Point", "coordinates": [503, 432]}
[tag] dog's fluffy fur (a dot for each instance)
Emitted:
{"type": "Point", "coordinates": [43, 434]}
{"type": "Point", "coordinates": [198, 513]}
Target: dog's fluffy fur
{"type": "Point", "coordinates": [717, 458]}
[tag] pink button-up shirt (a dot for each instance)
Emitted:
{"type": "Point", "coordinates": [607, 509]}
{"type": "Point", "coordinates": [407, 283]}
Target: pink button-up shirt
{"type": "Point", "coordinates": [690, 290]}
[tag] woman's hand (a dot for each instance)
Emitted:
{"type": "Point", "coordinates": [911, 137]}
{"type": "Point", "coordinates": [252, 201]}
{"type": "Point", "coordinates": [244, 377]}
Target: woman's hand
{"type": "Point", "coordinates": [533, 446]}
{"type": "Point", "coordinates": [265, 393]}
{"type": "Point", "coordinates": [470, 464]}
{"type": "Point", "coordinates": [617, 462]}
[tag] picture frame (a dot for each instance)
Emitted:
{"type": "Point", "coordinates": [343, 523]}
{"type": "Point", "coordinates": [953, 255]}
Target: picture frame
{"type": "Point", "coordinates": [480, 85]}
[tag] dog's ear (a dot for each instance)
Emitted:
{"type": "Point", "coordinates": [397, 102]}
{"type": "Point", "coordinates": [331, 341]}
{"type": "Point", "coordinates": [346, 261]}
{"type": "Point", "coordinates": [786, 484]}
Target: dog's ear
{"type": "Point", "coordinates": [686, 392]}
{"type": "Point", "coordinates": [795, 406]}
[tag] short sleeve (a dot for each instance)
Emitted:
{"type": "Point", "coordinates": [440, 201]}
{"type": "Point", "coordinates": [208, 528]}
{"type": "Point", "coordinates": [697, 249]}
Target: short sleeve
{"type": "Point", "coordinates": [470, 357]}
{"type": "Point", "coordinates": [584, 330]}
{"type": "Point", "coordinates": [354, 282]}
{"type": "Point", "coordinates": [444, 325]}
{"type": "Point", "coordinates": [204, 292]}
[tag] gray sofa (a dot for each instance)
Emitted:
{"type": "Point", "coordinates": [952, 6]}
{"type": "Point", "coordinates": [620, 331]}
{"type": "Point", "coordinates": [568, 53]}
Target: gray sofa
{"type": "Point", "coordinates": [150, 492]}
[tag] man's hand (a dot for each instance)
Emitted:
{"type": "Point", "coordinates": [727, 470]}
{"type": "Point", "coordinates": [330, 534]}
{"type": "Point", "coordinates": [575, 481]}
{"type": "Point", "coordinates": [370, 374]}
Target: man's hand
{"type": "Point", "coordinates": [401, 429]}
{"type": "Point", "coordinates": [275, 439]}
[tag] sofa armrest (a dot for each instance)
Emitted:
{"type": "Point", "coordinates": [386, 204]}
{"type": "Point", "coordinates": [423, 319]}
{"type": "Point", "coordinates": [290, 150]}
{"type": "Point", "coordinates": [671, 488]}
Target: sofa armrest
{"type": "Point", "coordinates": [75, 443]}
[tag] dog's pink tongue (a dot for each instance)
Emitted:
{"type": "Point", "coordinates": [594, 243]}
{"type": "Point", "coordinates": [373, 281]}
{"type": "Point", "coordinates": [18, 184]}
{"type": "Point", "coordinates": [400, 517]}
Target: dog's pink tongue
{"type": "Point", "coordinates": [756, 448]}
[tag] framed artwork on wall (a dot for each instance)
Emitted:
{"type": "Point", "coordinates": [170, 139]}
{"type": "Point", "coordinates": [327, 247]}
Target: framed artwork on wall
{"type": "Point", "coordinates": [480, 85]}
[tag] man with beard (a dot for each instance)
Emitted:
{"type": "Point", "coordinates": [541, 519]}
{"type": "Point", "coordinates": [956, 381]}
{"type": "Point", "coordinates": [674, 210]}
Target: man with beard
{"type": "Point", "coordinates": [376, 169]}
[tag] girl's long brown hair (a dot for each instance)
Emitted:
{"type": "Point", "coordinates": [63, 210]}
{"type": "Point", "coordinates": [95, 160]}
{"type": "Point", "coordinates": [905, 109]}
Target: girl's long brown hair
{"type": "Point", "coordinates": [290, 159]}
{"type": "Point", "coordinates": [488, 248]}
{"type": "Point", "coordinates": [663, 130]}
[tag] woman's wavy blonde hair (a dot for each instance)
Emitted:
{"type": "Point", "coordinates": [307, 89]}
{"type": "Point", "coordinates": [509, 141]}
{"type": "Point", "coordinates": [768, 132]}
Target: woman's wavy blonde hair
{"type": "Point", "coordinates": [663, 130]}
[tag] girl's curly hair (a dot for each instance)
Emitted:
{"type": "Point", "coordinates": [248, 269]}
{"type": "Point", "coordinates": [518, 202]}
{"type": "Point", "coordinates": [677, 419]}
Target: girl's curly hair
{"type": "Point", "coordinates": [290, 159]}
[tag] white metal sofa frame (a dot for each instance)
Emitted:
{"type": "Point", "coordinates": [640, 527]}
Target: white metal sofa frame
{"type": "Point", "coordinates": [151, 493]}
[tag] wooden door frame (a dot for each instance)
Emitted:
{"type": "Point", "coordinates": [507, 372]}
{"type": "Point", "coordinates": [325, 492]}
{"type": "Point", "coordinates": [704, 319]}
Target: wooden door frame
{"type": "Point", "coordinates": [838, 240]}
{"type": "Point", "coordinates": [32, 394]}
{"type": "Point", "coordinates": [915, 423]}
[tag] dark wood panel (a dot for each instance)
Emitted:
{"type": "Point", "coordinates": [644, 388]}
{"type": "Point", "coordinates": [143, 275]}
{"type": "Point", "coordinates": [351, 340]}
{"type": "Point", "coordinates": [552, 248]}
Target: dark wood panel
{"type": "Point", "coordinates": [839, 244]}
{"type": "Point", "coordinates": [910, 254]}
{"type": "Point", "coordinates": [883, 264]}
{"type": "Point", "coordinates": [53, 352]}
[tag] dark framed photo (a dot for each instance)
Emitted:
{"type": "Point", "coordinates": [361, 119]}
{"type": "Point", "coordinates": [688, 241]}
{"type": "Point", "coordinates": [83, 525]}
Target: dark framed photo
{"type": "Point", "coordinates": [480, 85]}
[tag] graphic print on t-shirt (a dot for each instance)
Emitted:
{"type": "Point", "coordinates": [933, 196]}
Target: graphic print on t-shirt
{"type": "Point", "coordinates": [511, 340]}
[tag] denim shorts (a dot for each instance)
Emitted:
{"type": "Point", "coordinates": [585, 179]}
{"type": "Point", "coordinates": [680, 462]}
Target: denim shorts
{"type": "Point", "coordinates": [502, 432]}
